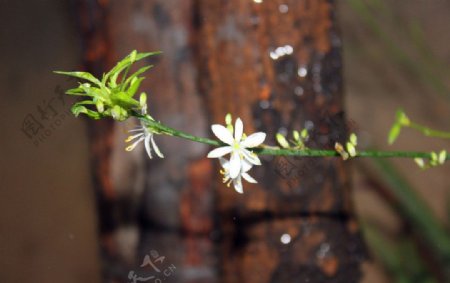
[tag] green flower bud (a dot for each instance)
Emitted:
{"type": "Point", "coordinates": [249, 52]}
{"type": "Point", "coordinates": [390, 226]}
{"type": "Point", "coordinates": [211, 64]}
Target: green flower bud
{"type": "Point", "coordinates": [296, 135]}
{"type": "Point", "coordinates": [228, 119]}
{"type": "Point", "coordinates": [304, 134]}
{"type": "Point", "coordinates": [401, 118]}
{"type": "Point", "coordinates": [393, 133]}
{"type": "Point", "coordinates": [442, 156]}
{"type": "Point", "coordinates": [282, 140]}
{"type": "Point", "coordinates": [340, 149]}
{"type": "Point", "coordinates": [143, 102]}
{"type": "Point", "coordinates": [351, 149]}
{"type": "Point", "coordinates": [353, 139]}
{"type": "Point", "coordinates": [434, 159]}
{"type": "Point", "coordinates": [420, 162]}
{"type": "Point", "coordinates": [100, 106]}
{"type": "Point", "coordinates": [118, 113]}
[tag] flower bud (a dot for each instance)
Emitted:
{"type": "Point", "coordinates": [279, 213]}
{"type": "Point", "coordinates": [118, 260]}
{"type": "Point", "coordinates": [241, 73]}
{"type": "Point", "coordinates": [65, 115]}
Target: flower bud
{"type": "Point", "coordinates": [442, 156]}
{"type": "Point", "coordinates": [282, 140]}
{"type": "Point", "coordinates": [420, 162]}
{"type": "Point", "coordinates": [351, 149]}
{"type": "Point", "coordinates": [228, 119]}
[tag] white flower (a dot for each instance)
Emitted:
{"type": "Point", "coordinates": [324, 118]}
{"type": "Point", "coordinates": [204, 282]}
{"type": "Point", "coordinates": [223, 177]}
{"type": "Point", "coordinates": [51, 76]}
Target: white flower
{"type": "Point", "coordinates": [237, 182]}
{"type": "Point", "coordinates": [143, 134]}
{"type": "Point", "coordinates": [241, 159]}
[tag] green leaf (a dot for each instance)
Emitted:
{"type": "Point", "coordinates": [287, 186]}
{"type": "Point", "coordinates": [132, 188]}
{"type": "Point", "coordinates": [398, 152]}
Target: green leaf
{"type": "Point", "coordinates": [85, 102]}
{"type": "Point", "coordinates": [122, 99]}
{"type": "Point", "coordinates": [94, 92]}
{"type": "Point", "coordinates": [113, 81]}
{"type": "Point", "coordinates": [81, 75]}
{"type": "Point", "coordinates": [78, 109]}
{"type": "Point", "coordinates": [133, 56]}
{"type": "Point", "coordinates": [393, 133]}
{"type": "Point", "coordinates": [126, 62]}
{"type": "Point", "coordinates": [134, 86]}
{"type": "Point", "coordinates": [137, 73]}
{"type": "Point", "coordinates": [76, 91]}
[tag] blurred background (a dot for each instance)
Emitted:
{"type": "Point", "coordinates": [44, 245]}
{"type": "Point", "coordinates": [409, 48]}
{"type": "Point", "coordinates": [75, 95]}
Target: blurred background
{"type": "Point", "coordinates": [77, 208]}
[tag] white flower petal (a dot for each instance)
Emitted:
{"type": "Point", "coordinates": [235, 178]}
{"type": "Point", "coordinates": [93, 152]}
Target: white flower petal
{"type": "Point", "coordinates": [219, 152]}
{"type": "Point", "coordinates": [235, 165]}
{"type": "Point", "coordinates": [156, 148]}
{"type": "Point", "coordinates": [237, 183]}
{"type": "Point", "coordinates": [254, 140]}
{"type": "Point", "coordinates": [147, 146]}
{"type": "Point", "coordinates": [246, 166]}
{"type": "Point", "coordinates": [224, 163]}
{"type": "Point", "coordinates": [136, 130]}
{"type": "Point", "coordinates": [251, 157]}
{"type": "Point", "coordinates": [238, 129]}
{"type": "Point", "coordinates": [222, 134]}
{"type": "Point", "coordinates": [249, 178]}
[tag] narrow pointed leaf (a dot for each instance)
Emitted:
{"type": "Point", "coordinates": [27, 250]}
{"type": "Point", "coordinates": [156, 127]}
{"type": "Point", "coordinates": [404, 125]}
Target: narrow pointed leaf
{"type": "Point", "coordinates": [127, 61]}
{"type": "Point", "coordinates": [134, 86]}
{"type": "Point", "coordinates": [137, 73]}
{"type": "Point", "coordinates": [81, 75]}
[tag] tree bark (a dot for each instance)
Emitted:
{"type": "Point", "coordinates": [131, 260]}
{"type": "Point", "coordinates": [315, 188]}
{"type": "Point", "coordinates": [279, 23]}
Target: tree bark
{"type": "Point", "coordinates": [278, 66]}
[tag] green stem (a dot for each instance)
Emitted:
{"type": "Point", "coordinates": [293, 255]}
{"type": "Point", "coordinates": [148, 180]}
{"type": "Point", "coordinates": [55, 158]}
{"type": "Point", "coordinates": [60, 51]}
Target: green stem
{"type": "Point", "coordinates": [429, 132]}
{"type": "Point", "coordinates": [266, 150]}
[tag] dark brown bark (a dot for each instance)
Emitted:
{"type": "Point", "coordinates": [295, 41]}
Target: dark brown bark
{"type": "Point", "coordinates": [307, 199]}
{"type": "Point", "coordinates": [217, 60]}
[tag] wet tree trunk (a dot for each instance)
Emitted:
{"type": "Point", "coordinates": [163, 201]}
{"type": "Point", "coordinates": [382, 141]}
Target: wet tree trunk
{"type": "Point", "coordinates": [278, 66]}
{"type": "Point", "coordinates": [275, 64]}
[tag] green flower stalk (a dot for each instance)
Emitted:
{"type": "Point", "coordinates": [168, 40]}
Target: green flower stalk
{"type": "Point", "coordinates": [114, 97]}
{"type": "Point", "coordinates": [402, 121]}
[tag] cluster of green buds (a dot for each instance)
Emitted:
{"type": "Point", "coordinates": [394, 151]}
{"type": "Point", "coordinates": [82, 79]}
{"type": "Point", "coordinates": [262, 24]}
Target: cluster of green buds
{"type": "Point", "coordinates": [350, 147]}
{"type": "Point", "coordinates": [298, 141]}
{"type": "Point", "coordinates": [113, 95]}
{"type": "Point", "coordinates": [436, 159]}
